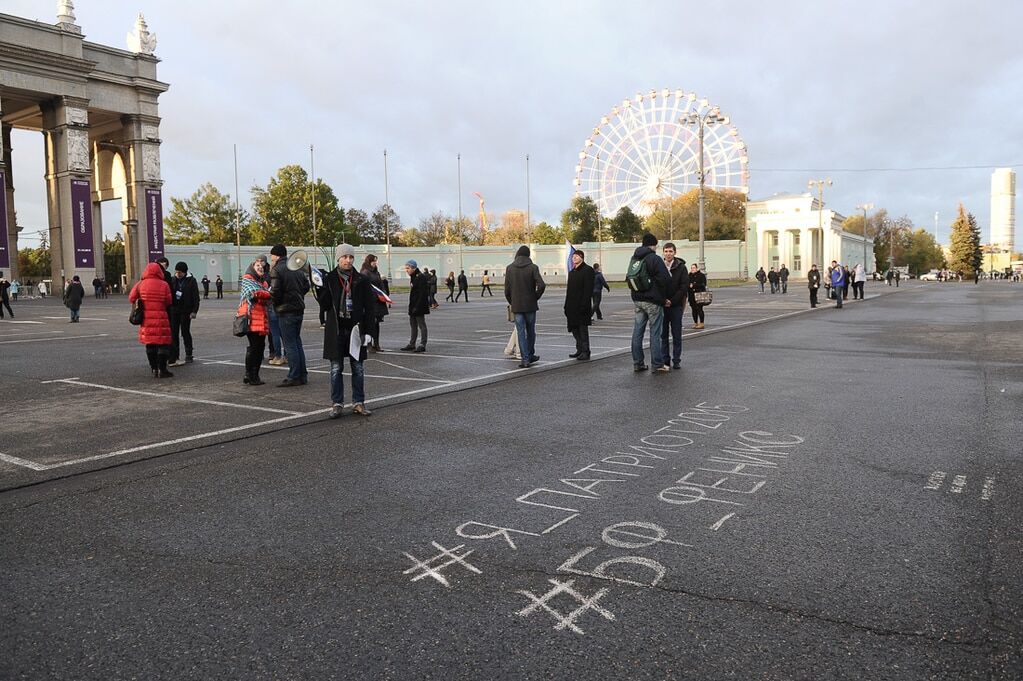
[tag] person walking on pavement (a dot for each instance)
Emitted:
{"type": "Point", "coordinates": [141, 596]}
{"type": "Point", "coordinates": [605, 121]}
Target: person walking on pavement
{"type": "Point", "coordinates": [15, 287]}
{"type": "Point", "coordinates": [376, 312]}
{"type": "Point", "coordinates": [674, 306]}
{"type": "Point", "coordinates": [255, 302]}
{"type": "Point", "coordinates": [463, 286]}
{"type": "Point", "coordinates": [450, 282]}
{"type": "Point", "coordinates": [486, 284]}
{"type": "Point", "coordinates": [73, 297]}
{"type": "Point", "coordinates": [349, 300]}
{"type": "Point", "coordinates": [761, 277]}
{"type": "Point", "coordinates": [433, 289]}
{"type": "Point", "coordinates": [154, 332]}
{"type": "Point", "coordinates": [599, 285]}
{"type": "Point", "coordinates": [838, 279]}
{"type": "Point", "coordinates": [697, 284]}
{"type": "Point", "coordinates": [859, 279]}
{"type": "Point", "coordinates": [783, 278]}
{"type": "Point", "coordinates": [649, 285]}
{"type": "Point", "coordinates": [42, 288]}
{"type": "Point", "coordinates": [898, 276]}
{"type": "Point", "coordinates": [5, 296]}
{"type": "Point", "coordinates": [889, 275]}
{"type": "Point", "coordinates": [579, 304]}
{"type": "Point", "coordinates": [287, 290]}
{"type": "Point", "coordinates": [813, 282]}
{"type": "Point", "coordinates": [772, 277]}
{"type": "Point", "coordinates": [184, 308]}
{"type": "Point", "coordinates": [205, 287]}
{"type": "Point", "coordinates": [523, 288]}
{"type": "Point", "coordinates": [97, 290]}
{"type": "Point", "coordinates": [220, 287]}
{"type": "Point", "coordinates": [418, 307]}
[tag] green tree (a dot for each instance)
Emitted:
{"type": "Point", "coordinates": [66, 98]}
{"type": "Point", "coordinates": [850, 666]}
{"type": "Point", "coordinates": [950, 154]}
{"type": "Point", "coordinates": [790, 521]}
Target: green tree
{"type": "Point", "coordinates": [626, 226]}
{"type": "Point", "coordinates": [724, 216]}
{"type": "Point", "coordinates": [113, 259]}
{"type": "Point", "coordinates": [922, 252]}
{"type": "Point", "coordinates": [357, 222]}
{"type": "Point", "coordinates": [208, 215]}
{"type": "Point", "coordinates": [434, 229]}
{"type": "Point", "coordinates": [384, 221]}
{"type": "Point", "coordinates": [545, 234]}
{"type": "Point", "coordinates": [965, 254]}
{"type": "Point", "coordinates": [282, 212]}
{"type": "Point", "coordinates": [34, 262]}
{"type": "Point", "coordinates": [580, 220]}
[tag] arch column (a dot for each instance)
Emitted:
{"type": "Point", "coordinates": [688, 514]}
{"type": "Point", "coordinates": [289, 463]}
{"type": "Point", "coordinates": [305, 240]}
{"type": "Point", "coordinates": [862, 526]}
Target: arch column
{"type": "Point", "coordinates": [144, 196]}
{"type": "Point", "coordinates": [8, 218]}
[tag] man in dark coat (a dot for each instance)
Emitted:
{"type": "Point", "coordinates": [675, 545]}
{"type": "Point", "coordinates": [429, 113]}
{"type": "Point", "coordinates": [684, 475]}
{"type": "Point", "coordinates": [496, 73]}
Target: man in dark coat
{"type": "Point", "coordinates": [674, 306]}
{"type": "Point", "coordinates": [73, 297]}
{"type": "Point", "coordinates": [761, 277]}
{"type": "Point", "coordinates": [220, 287]}
{"type": "Point", "coordinates": [463, 286]}
{"type": "Point", "coordinates": [783, 278]}
{"type": "Point", "coordinates": [813, 281]}
{"type": "Point", "coordinates": [579, 304]}
{"type": "Point", "coordinates": [418, 307]}
{"type": "Point", "coordinates": [772, 278]}
{"type": "Point", "coordinates": [287, 289]}
{"type": "Point", "coordinates": [523, 287]}
{"type": "Point", "coordinates": [649, 306]}
{"type": "Point", "coordinates": [347, 301]}
{"type": "Point", "coordinates": [184, 307]}
{"type": "Point", "coordinates": [205, 287]}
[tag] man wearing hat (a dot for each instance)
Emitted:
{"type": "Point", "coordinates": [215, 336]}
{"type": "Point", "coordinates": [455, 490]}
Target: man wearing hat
{"type": "Point", "coordinates": [288, 289]}
{"type": "Point", "coordinates": [418, 306]}
{"type": "Point", "coordinates": [346, 303]}
{"type": "Point", "coordinates": [184, 306]}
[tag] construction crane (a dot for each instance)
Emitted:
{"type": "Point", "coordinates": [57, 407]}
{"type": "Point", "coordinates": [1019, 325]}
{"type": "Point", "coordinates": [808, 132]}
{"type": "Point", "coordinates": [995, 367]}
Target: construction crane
{"type": "Point", "coordinates": [483, 216]}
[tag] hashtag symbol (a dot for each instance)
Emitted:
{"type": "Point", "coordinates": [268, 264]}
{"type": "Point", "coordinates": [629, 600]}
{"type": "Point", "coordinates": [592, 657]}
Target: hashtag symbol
{"type": "Point", "coordinates": [430, 569]}
{"type": "Point", "coordinates": [565, 621]}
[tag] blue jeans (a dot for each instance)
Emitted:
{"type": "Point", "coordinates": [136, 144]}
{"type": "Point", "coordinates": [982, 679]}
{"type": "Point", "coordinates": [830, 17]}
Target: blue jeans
{"type": "Point", "coordinates": [74, 314]}
{"type": "Point", "coordinates": [672, 324]}
{"type": "Point", "coordinates": [525, 324]}
{"type": "Point", "coordinates": [653, 313]}
{"type": "Point", "coordinates": [337, 383]}
{"type": "Point", "coordinates": [291, 334]}
{"type": "Point", "coordinates": [275, 331]}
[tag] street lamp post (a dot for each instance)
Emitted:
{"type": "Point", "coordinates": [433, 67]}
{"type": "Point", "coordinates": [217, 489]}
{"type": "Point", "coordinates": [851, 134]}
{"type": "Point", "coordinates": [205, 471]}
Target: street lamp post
{"type": "Point", "coordinates": [820, 209]}
{"type": "Point", "coordinates": [671, 197]}
{"type": "Point", "coordinates": [387, 218]}
{"type": "Point", "coordinates": [527, 199]}
{"type": "Point", "coordinates": [865, 207]}
{"type": "Point", "coordinates": [712, 117]}
{"type": "Point", "coordinates": [461, 265]}
{"type": "Point", "coordinates": [312, 187]}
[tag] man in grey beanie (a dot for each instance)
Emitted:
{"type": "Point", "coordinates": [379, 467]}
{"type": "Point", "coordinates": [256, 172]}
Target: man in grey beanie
{"type": "Point", "coordinates": [418, 307]}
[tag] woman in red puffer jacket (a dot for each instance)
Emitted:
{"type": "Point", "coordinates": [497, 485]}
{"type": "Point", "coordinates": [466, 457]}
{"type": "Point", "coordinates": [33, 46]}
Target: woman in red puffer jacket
{"type": "Point", "coordinates": [255, 295]}
{"type": "Point", "coordinates": [155, 331]}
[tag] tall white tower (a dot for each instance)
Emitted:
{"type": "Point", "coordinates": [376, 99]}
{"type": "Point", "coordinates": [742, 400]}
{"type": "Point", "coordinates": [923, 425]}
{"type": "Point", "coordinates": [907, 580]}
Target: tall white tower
{"type": "Point", "coordinates": [1003, 209]}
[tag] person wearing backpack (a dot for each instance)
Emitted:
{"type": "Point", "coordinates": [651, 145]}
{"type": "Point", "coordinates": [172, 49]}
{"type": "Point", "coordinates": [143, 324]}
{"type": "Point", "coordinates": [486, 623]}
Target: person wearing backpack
{"type": "Point", "coordinates": [649, 283]}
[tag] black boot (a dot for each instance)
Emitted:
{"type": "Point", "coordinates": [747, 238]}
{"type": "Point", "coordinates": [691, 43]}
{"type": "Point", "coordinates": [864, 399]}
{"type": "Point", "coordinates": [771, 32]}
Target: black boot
{"type": "Point", "coordinates": [163, 373]}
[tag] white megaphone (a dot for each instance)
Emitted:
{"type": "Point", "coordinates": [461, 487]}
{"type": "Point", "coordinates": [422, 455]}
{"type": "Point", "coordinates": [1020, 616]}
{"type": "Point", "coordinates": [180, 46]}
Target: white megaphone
{"type": "Point", "coordinates": [299, 260]}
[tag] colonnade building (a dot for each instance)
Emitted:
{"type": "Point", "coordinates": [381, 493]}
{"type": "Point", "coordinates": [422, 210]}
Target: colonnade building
{"type": "Point", "coordinates": [96, 107]}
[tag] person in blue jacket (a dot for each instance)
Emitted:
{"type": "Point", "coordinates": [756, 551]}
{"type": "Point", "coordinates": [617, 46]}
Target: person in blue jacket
{"type": "Point", "coordinates": [838, 276]}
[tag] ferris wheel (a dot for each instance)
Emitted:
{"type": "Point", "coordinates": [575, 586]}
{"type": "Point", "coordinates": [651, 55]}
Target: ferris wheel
{"type": "Point", "coordinates": [647, 150]}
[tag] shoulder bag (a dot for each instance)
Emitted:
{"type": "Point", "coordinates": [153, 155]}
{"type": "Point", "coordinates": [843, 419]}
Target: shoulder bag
{"type": "Point", "coordinates": [703, 297]}
{"type": "Point", "coordinates": [136, 317]}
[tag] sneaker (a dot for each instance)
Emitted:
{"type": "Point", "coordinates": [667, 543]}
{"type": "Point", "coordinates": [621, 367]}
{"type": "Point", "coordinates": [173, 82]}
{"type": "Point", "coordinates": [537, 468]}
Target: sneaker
{"type": "Point", "coordinates": [360, 409]}
{"type": "Point", "coordinates": [534, 359]}
{"type": "Point", "coordinates": [522, 365]}
{"type": "Point", "coordinates": [177, 363]}
{"type": "Point", "coordinates": [676, 365]}
{"type": "Point", "coordinates": [408, 348]}
{"type": "Point", "coordinates": [288, 383]}
{"type": "Point", "coordinates": [164, 374]}
{"type": "Point", "coordinates": [662, 369]}
{"type": "Point", "coordinates": [640, 367]}
{"type": "Point", "coordinates": [421, 348]}
{"type": "Point", "coordinates": [336, 411]}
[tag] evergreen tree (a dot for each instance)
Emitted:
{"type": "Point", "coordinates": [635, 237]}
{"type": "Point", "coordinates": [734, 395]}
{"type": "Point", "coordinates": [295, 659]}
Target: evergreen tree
{"type": "Point", "coordinates": [626, 226]}
{"type": "Point", "coordinates": [581, 220]}
{"type": "Point", "coordinates": [282, 212]}
{"type": "Point", "coordinates": [965, 254]}
{"type": "Point", "coordinates": [207, 216]}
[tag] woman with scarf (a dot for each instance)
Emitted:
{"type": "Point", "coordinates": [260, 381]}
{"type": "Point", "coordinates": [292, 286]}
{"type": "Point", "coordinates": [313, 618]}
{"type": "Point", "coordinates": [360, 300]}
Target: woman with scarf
{"type": "Point", "coordinates": [255, 296]}
{"type": "Point", "coordinates": [370, 270]}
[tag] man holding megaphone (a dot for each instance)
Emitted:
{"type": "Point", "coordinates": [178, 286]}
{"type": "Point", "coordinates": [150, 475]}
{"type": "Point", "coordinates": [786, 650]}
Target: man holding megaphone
{"type": "Point", "coordinates": [288, 286]}
{"type": "Point", "coordinates": [347, 302]}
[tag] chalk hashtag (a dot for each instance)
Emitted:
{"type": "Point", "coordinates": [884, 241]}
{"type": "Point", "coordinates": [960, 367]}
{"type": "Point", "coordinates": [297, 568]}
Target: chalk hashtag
{"type": "Point", "coordinates": [429, 569]}
{"type": "Point", "coordinates": [565, 621]}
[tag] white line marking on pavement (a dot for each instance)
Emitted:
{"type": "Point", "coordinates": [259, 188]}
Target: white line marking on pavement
{"type": "Point", "coordinates": [958, 483]}
{"type": "Point", "coordinates": [48, 340]}
{"type": "Point", "coordinates": [28, 322]}
{"type": "Point", "coordinates": [403, 368]}
{"type": "Point", "coordinates": [989, 489]}
{"type": "Point", "coordinates": [84, 319]}
{"type": "Point", "coordinates": [934, 480]}
{"type": "Point", "coordinates": [284, 367]}
{"type": "Point", "coordinates": [174, 397]}
{"type": "Point", "coordinates": [61, 380]}
{"type": "Point", "coordinates": [22, 462]}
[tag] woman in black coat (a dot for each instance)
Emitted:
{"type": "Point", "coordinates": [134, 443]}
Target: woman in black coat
{"type": "Point", "coordinates": [579, 304]}
{"type": "Point", "coordinates": [73, 298]}
{"type": "Point", "coordinates": [697, 284]}
{"type": "Point", "coordinates": [374, 316]}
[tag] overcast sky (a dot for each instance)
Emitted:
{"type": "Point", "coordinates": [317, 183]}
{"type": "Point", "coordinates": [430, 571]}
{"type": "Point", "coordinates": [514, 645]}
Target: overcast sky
{"type": "Point", "coordinates": [825, 89]}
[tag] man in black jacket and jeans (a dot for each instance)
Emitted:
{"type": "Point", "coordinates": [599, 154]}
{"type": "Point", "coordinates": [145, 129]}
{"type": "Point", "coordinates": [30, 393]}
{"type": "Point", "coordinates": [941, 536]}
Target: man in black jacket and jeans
{"type": "Point", "coordinates": [649, 304]}
{"type": "Point", "coordinates": [287, 291]}
{"type": "Point", "coordinates": [183, 309]}
{"type": "Point", "coordinates": [418, 306]}
{"type": "Point", "coordinates": [674, 306]}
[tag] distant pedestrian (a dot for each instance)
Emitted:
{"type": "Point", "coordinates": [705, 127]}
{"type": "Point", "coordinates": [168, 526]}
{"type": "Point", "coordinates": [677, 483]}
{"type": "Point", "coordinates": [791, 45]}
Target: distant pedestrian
{"type": "Point", "coordinates": [6, 290]}
{"type": "Point", "coordinates": [184, 308]}
{"type": "Point", "coordinates": [287, 290]}
{"type": "Point", "coordinates": [848, 280]}
{"type": "Point", "coordinates": [599, 285]}
{"type": "Point", "coordinates": [375, 312]}
{"type": "Point", "coordinates": [154, 332]}
{"type": "Point", "coordinates": [15, 290]}
{"type": "Point", "coordinates": [450, 282]}
{"type": "Point", "coordinates": [813, 282]}
{"type": "Point", "coordinates": [463, 286]}
{"type": "Point", "coordinates": [349, 300]}
{"type": "Point", "coordinates": [97, 288]}
{"type": "Point", "coordinates": [697, 284]}
{"type": "Point", "coordinates": [433, 290]}
{"type": "Point", "coordinates": [42, 288]}
{"type": "Point", "coordinates": [783, 278]}
{"type": "Point", "coordinates": [674, 306]}
{"type": "Point", "coordinates": [859, 279]}
{"type": "Point", "coordinates": [579, 304]}
{"type": "Point", "coordinates": [255, 302]}
{"type": "Point", "coordinates": [73, 297]}
{"type": "Point", "coordinates": [772, 277]}
{"type": "Point", "coordinates": [220, 287]}
{"type": "Point", "coordinates": [898, 276]}
{"type": "Point", "coordinates": [838, 279]}
{"type": "Point", "coordinates": [761, 277]}
{"type": "Point", "coordinates": [523, 288]}
{"type": "Point", "coordinates": [889, 276]}
{"type": "Point", "coordinates": [649, 282]}
{"type": "Point", "coordinates": [486, 284]}
{"type": "Point", "coordinates": [418, 307]}
{"type": "Point", "coordinates": [205, 287]}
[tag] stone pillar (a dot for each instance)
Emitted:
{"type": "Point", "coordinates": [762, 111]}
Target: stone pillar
{"type": "Point", "coordinates": [8, 218]}
{"type": "Point", "coordinates": [69, 190]}
{"type": "Point", "coordinates": [144, 221]}
{"type": "Point", "coordinates": [763, 236]}
{"type": "Point", "coordinates": [785, 248]}
{"type": "Point", "coordinates": [806, 249]}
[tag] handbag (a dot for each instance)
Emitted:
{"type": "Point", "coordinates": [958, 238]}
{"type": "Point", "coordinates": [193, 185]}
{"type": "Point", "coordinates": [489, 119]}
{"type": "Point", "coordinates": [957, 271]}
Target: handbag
{"type": "Point", "coordinates": [703, 297]}
{"type": "Point", "coordinates": [137, 313]}
{"type": "Point", "coordinates": [241, 325]}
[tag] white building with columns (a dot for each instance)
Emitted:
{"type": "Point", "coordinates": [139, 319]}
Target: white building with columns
{"type": "Point", "coordinates": [795, 230]}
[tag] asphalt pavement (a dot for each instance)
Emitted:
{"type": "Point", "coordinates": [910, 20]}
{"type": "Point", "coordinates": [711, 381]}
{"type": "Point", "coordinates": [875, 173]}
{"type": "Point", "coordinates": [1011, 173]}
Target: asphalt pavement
{"type": "Point", "coordinates": [825, 494]}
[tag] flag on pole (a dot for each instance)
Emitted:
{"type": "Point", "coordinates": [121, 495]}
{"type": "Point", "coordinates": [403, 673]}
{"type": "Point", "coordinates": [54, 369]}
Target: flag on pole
{"type": "Point", "coordinates": [568, 261]}
{"type": "Point", "coordinates": [381, 296]}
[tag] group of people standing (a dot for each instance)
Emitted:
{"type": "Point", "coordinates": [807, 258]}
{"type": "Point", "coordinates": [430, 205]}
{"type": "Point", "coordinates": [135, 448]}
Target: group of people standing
{"type": "Point", "coordinates": [837, 281]}
{"type": "Point", "coordinates": [168, 304]}
{"type": "Point", "coordinates": [778, 279]}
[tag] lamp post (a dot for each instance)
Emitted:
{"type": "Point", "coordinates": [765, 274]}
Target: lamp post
{"type": "Point", "coordinates": [820, 209]}
{"type": "Point", "coordinates": [461, 266]}
{"type": "Point", "coordinates": [712, 117]}
{"type": "Point", "coordinates": [237, 219]}
{"type": "Point", "coordinates": [527, 199]}
{"type": "Point", "coordinates": [387, 218]}
{"type": "Point", "coordinates": [312, 187]}
{"type": "Point", "coordinates": [865, 207]}
{"type": "Point", "coordinates": [671, 196]}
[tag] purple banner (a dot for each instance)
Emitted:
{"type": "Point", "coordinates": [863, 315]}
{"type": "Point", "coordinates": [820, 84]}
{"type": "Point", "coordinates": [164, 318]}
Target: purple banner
{"type": "Point", "coordinates": [81, 222]}
{"type": "Point", "coordinates": [154, 222]}
{"type": "Point", "coordinates": [5, 244]}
